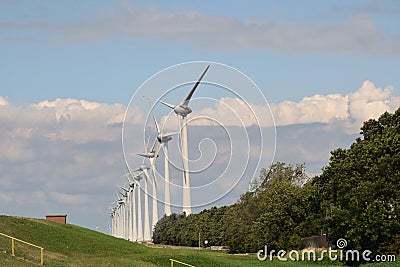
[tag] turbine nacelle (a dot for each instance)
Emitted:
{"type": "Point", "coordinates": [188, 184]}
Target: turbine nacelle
{"type": "Point", "coordinates": [151, 154]}
{"type": "Point", "coordinates": [163, 138]}
{"type": "Point", "coordinates": [144, 167]}
{"type": "Point", "coordinates": [182, 110]}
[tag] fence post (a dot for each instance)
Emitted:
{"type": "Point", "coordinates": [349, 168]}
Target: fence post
{"type": "Point", "coordinates": [179, 262]}
{"type": "Point", "coordinates": [41, 256]}
{"type": "Point", "coordinates": [12, 247]}
{"type": "Point", "coordinates": [13, 239]}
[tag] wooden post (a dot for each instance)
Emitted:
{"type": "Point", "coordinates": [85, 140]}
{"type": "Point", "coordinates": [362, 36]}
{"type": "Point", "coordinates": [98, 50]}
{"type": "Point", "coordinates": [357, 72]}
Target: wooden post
{"type": "Point", "coordinates": [12, 246]}
{"type": "Point", "coordinates": [13, 239]}
{"type": "Point", "coordinates": [41, 256]}
{"type": "Point", "coordinates": [179, 262]}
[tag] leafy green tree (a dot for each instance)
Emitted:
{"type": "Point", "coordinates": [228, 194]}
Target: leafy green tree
{"type": "Point", "coordinates": [281, 207]}
{"type": "Point", "coordinates": [357, 197]}
{"type": "Point", "coordinates": [165, 231]}
{"type": "Point", "coordinates": [361, 187]}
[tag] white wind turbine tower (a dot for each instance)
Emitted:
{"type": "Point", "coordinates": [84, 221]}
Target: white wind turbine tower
{"type": "Point", "coordinates": [126, 213]}
{"type": "Point", "coordinates": [132, 222]}
{"type": "Point", "coordinates": [112, 219]}
{"type": "Point", "coordinates": [163, 139]}
{"type": "Point", "coordinates": [143, 168]}
{"type": "Point", "coordinates": [124, 196]}
{"type": "Point", "coordinates": [182, 110]}
{"type": "Point", "coordinates": [152, 158]}
{"type": "Point", "coordinates": [117, 217]}
{"type": "Point", "coordinates": [130, 210]}
{"type": "Point", "coordinates": [139, 236]}
{"type": "Point", "coordinates": [132, 226]}
{"type": "Point", "coordinates": [121, 218]}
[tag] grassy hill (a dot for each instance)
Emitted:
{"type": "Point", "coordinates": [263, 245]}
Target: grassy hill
{"type": "Point", "coordinates": [70, 245]}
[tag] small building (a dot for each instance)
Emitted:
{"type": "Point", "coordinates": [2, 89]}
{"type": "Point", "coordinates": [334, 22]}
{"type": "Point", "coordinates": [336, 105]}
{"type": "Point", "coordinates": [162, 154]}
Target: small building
{"type": "Point", "coordinates": [219, 248]}
{"type": "Point", "coordinates": [60, 218]}
{"type": "Point", "coordinates": [316, 241]}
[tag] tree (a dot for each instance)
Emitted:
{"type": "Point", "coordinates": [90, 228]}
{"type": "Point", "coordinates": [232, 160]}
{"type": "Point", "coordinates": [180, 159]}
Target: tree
{"type": "Point", "coordinates": [357, 197]}
{"type": "Point", "coordinates": [361, 189]}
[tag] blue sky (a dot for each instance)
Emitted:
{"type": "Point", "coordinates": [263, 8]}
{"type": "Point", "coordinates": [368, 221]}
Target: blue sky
{"type": "Point", "coordinates": [70, 69]}
{"type": "Point", "coordinates": [43, 51]}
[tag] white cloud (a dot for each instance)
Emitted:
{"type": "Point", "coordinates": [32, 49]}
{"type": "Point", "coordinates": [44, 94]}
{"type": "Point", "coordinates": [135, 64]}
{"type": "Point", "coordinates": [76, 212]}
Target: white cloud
{"type": "Point", "coordinates": [357, 34]}
{"type": "Point", "coordinates": [80, 110]}
{"type": "Point", "coordinates": [21, 132]}
{"type": "Point", "coordinates": [370, 102]}
{"type": "Point", "coordinates": [351, 110]}
{"type": "Point", "coordinates": [71, 119]}
{"type": "Point", "coordinates": [56, 155]}
{"type": "Point", "coordinates": [3, 101]}
{"type": "Point", "coordinates": [63, 198]}
{"type": "Point", "coordinates": [17, 198]}
{"type": "Point", "coordinates": [12, 151]}
{"type": "Point", "coordinates": [59, 154]}
{"type": "Point", "coordinates": [366, 103]}
{"type": "Point", "coordinates": [317, 108]}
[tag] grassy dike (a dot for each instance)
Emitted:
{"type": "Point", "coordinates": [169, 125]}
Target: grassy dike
{"type": "Point", "coordinates": [70, 245]}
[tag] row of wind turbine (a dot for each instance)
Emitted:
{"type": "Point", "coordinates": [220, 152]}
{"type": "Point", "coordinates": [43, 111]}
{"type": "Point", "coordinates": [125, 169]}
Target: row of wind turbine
{"type": "Point", "coordinates": [124, 221]}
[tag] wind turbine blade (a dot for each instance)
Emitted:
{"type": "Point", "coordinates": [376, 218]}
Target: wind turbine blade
{"type": "Point", "coordinates": [181, 123]}
{"type": "Point", "coordinates": [155, 122]}
{"type": "Point", "coordinates": [145, 155]}
{"type": "Point", "coordinates": [170, 134]}
{"type": "Point", "coordinates": [185, 102]}
{"type": "Point", "coordinates": [157, 150]}
{"type": "Point", "coordinates": [147, 144]}
{"type": "Point", "coordinates": [154, 144]}
{"type": "Point", "coordinates": [166, 104]}
{"type": "Point", "coordinates": [153, 170]}
{"type": "Point", "coordinates": [154, 117]}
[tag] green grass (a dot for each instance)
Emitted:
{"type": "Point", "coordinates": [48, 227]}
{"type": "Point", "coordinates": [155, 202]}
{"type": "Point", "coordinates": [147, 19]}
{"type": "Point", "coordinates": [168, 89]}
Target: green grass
{"type": "Point", "coordinates": [70, 245]}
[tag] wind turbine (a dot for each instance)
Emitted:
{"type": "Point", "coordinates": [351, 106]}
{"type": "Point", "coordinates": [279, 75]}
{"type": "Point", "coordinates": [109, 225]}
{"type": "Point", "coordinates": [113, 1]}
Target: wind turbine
{"type": "Point", "coordinates": [131, 205]}
{"type": "Point", "coordinates": [121, 217]}
{"type": "Point", "coordinates": [152, 158]}
{"type": "Point", "coordinates": [112, 219]}
{"type": "Point", "coordinates": [144, 168]}
{"type": "Point", "coordinates": [117, 217]}
{"type": "Point", "coordinates": [139, 236]}
{"type": "Point", "coordinates": [182, 110]}
{"type": "Point", "coordinates": [132, 224]}
{"type": "Point", "coordinates": [125, 212]}
{"type": "Point", "coordinates": [163, 139]}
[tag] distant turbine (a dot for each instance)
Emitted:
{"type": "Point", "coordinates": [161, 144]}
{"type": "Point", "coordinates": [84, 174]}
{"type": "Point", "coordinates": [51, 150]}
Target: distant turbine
{"type": "Point", "coordinates": [121, 223]}
{"type": "Point", "coordinates": [182, 110]}
{"type": "Point", "coordinates": [152, 158]}
{"type": "Point", "coordinates": [163, 139]}
{"type": "Point", "coordinates": [132, 225]}
{"type": "Point", "coordinates": [144, 168]}
{"type": "Point", "coordinates": [139, 236]}
{"type": "Point", "coordinates": [113, 217]}
{"type": "Point", "coordinates": [126, 212]}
